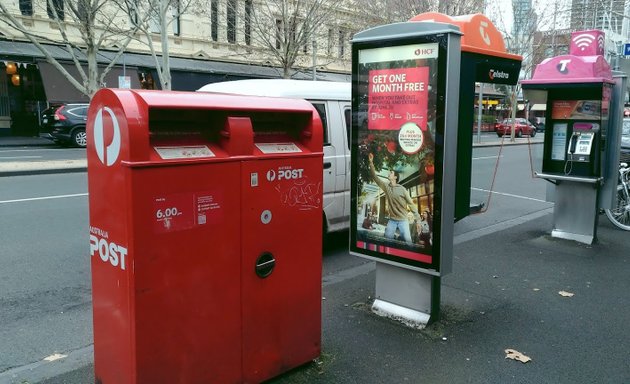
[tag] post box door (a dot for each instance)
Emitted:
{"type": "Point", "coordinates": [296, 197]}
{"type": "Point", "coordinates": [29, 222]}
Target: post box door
{"type": "Point", "coordinates": [282, 229]}
{"type": "Point", "coordinates": [187, 272]}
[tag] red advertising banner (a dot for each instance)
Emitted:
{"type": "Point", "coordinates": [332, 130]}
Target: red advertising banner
{"type": "Point", "coordinates": [397, 96]}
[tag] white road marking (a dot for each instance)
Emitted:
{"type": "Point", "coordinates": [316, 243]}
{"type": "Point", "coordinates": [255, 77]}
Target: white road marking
{"type": "Point", "coordinates": [42, 198]}
{"type": "Point", "coordinates": [19, 157]}
{"type": "Point", "coordinates": [509, 195]}
{"type": "Point", "coordinates": [485, 157]}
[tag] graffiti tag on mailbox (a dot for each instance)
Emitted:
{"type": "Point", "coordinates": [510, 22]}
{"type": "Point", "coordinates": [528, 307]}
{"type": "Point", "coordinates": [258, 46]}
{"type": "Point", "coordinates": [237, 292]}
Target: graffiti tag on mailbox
{"type": "Point", "coordinates": [301, 194]}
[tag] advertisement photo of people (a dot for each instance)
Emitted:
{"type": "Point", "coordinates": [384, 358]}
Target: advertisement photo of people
{"type": "Point", "coordinates": [395, 151]}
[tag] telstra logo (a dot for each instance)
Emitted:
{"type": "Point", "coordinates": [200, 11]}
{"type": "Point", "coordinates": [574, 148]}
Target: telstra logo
{"type": "Point", "coordinates": [498, 75]}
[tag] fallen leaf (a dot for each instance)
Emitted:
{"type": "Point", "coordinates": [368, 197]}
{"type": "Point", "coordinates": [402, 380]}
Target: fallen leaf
{"type": "Point", "coordinates": [56, 356]}
{"type": "Point", "coordinates": [566, 294]}
{"type": "Point", "coordinates": [516, 355]}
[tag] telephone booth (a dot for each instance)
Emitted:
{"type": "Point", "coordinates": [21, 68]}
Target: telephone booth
{"type": "Point", "coordinates": [581, 151]}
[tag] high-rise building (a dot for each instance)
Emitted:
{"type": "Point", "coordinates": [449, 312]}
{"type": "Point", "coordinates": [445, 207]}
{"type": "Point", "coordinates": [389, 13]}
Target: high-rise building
{"type": "Point", "coordinates": [591, 14]}
{"type": "Point", "coordinates": [523, 13]}
{"type": "Point", "coordinates": [607, 16]}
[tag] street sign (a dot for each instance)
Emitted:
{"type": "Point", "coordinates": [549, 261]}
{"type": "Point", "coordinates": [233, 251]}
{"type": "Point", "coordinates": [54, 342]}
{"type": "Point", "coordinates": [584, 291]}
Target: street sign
{"type": "Point", "coordinates": [124, 82]}
{"type": "Point", "coordinates": [626, 49]}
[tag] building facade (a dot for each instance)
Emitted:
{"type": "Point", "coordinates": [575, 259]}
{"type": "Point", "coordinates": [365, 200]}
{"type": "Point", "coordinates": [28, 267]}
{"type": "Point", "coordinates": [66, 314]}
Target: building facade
{"type": "Point", "coordinates": [207, 40]}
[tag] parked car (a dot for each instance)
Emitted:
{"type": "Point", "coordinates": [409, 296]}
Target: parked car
{"type": "Point", "coordinates": [624, 155]}
{"type": "Point", "coordinates": [65, 124]}
{"type": "Point", "coordinates": [523, 127]}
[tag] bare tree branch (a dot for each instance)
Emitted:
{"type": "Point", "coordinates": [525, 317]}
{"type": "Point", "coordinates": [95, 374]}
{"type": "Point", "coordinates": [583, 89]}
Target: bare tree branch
{"type": "Point", "coordinates": [84, 27]}
{"type": "Point", "coordinates": [285, 29]}
{"type": "Point", "coordinates": [152, 18]}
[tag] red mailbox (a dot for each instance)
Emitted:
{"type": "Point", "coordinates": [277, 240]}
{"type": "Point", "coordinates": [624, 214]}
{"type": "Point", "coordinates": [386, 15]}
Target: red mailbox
{"type": "Point", "coordinates": [205, 236]}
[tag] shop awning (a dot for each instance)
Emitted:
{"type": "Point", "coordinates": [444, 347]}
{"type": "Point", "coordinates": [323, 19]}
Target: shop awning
{"type": "Point", "coordinates": [58, 89]}
{"type": "Point", "coordinates": [27, 52]}
{"type": "Point", "coordinates": [534, 107]}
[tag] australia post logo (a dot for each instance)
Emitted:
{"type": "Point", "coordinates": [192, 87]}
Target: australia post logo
{"type": "Point", "coordinates": [284, 173]}
{"type": "Point", "coordinates": [106, 126]}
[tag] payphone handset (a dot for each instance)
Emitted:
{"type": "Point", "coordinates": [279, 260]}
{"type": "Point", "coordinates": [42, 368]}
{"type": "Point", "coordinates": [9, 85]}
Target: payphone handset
{"type": "Point", "coordinates": [580, 145]}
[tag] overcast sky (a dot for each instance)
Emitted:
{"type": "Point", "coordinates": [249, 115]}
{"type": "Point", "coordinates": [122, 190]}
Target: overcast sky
{"type": "Point", "coordinates": [502, 15]}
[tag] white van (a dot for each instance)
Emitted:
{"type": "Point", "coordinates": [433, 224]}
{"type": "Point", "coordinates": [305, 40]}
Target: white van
{"type": "Point", "coordinates": [332, 101]}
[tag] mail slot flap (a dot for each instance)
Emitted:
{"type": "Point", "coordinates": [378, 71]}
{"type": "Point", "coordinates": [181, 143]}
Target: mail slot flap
{"type": "Point", "coordinates": [287, 133]}
{"type": "Point", "coordinates": [167, 126]}
{"type": "Point", "coordinates": [177, 134]}
{"type": "Point", "coordinates": [233, 133]}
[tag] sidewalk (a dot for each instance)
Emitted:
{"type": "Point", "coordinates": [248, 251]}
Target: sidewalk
{"type": "Point", "coordinates": [20, 141]}
{"type": "Point", "coordinates": [509, 290]}
{"type": "Point", "coordinates": [19, 168]}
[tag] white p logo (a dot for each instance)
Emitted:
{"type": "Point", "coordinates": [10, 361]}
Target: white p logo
{"type": "Point", "coordinates": [107, 154]}
{"type": "Point", "coordinates": [271, 175]}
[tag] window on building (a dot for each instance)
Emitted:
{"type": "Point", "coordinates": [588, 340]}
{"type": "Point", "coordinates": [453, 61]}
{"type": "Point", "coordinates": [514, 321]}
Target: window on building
{"type": "Point", "coordinates": [231, 21]}
{"type": "Point", "coordinates": [175, 8]}
{"type": "Point", "coordinates": [26, 7]}
{"type": "Point", "coordinates": [306, 41]}
{"type": "Point", "coordinates": [278, 33]}
{"type": "Point", "coordinates": [55, 6]}
{"type": "Point", "coordinates": [132, 8]}
{"type": "Point", "coordinates": [248, 22]}
{"type": "Point", "coordinates": [331, 39]}
{"type": "Point", "coordinates": [154, 21]}
{"type": "Point", "coordinates": [214, 20]}
{"type": "Point", "coordinates": [549, 51]}
{"type": "Point", "coordinates": [83, 10]}
{"type": "Point", "coordinates": [292, 34]}
{"type": "Point", "coordinates": [341, 49]}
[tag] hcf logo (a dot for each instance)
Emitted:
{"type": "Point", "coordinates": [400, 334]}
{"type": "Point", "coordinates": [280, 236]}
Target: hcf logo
{"type": "Point", "coordinates": [107, 153]}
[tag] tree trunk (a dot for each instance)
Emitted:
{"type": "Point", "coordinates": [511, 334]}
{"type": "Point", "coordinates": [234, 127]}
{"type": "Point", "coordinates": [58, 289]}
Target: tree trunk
{"type": "Point", "coordinates": [166, 65]}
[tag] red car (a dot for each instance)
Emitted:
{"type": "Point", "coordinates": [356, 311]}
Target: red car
{"type": "Point", "coordinates": [523, 127]}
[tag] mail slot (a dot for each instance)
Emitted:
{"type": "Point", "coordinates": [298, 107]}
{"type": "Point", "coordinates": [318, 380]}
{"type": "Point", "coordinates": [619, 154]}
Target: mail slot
{"type": "Point", "coordinates": [205, 236]}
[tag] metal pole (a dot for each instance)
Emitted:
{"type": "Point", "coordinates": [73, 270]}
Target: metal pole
{"type": "Point", "coordinates": [514, 107]}
{"type": "Point", "coordinates": [480, 112]}
{"type": "Point", "coordinates": [526, 104]}
{"type": "Point", "coordinates": [314, 60]}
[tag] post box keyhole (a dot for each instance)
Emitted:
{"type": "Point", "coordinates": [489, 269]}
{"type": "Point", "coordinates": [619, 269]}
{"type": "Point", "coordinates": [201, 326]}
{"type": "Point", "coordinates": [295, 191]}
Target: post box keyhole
{"type": "Point", "coordinates": [265, 265]}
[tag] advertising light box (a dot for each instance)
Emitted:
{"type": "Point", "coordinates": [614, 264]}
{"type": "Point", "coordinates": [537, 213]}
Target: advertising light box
{"type": "Point", "coordinates": [397, 154]}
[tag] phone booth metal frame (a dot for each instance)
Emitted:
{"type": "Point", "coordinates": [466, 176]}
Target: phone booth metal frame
{"type": "Point", "coordinates": [406, 75]}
